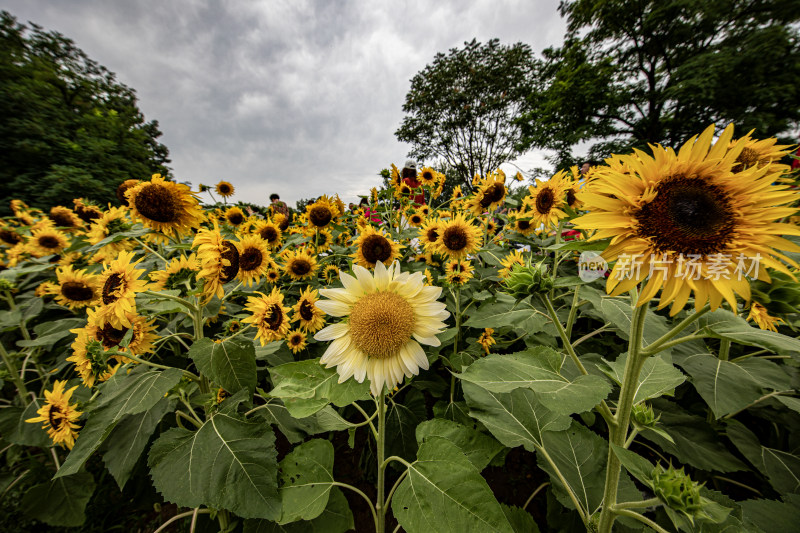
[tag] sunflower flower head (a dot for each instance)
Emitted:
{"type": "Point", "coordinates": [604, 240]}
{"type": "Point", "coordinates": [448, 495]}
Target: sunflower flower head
{"type": "Point", "coordinates": [165, 206]}
{"type": "Point", "coordinates": [224, 189]}
{"type": "Point", "coordinates": [268, 315]}
{"type": "Point", "coordinates": [59, 416]}
{"type": "Point", "coordinates": [375, 246]}
{"type": "Point", "coordinates": [759, 314]}
{"type": "Point", "coordinates": [486, 339]}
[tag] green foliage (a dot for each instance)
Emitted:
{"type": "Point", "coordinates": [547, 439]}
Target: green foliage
{"type": "Point", "coordinates": [231, 364]}
{"type": "Point", "coordinates": [461, 108]}
{"type": "Point", "coordinates": [68, 124]}
{"type": "Point", "coordinates": [632, 73]}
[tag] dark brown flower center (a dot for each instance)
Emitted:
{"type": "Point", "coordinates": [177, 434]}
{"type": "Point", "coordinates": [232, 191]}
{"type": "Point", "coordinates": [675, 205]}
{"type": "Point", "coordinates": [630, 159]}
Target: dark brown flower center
{"type": "Point", "coordinates": [110, 336]}
{"type": "Point", "coordinates": [9, 237]}
{"type": "Point", "coordinates": [376, 248]}
{"type": "Point", "coordinates": [156, 202]}
{"type": "Point", "coordinates": [235, 218]}
{"type": "Point", "coordinates": [545, 200]}
{"type": "Point", "coordinates": [427, 175]}
{"type": "Point", "coordinates": [571, 198]}
{"type": "Point", "coordinates": [251, 259]}
{"type": "Point", "coordinates": [523, 224]}
{"type": "Point", "coordinates": [77, 291]}
{"type": "Point", "coordinates": [48, 241]}
{"type": "Point", "coordinates": [62, 218]}
{"type": "Point", "coordinates": [432, 234]}
{"type": "Point", "coordinates": [455, 238]}
{"type": "Point", "coordinates": [687, 216]}
{"type": "Point", "coordinates": [296, 339]}
{"type": "Point", "coordinates": [320, 215]}
{"type": "Point", "coordinates": [747, 158]}
{"type": "Point", "coordinates": [306, 310]}
{"type": "Point", "coordinates": [113, 283]}
{"type": "Point", "coordinates": [230, 253]}
{"type": "Point", "coordinates": [88, 214]}
{"type": "Point", "coordinates": [300, 267]}
{"type": "Point", "coordinates": [224, 188]}
{"type": "Point", "coordinates": [55, 417]}
{"type": "Point", "coordinates": [494, 193]}
{"type": "Point", "coordinates": [124, 186]}
{"type": "Point", "coordinates": [284, 223]}
{"type": "Point", "coordinates": [274, 317]}
{"type": "Point", "coordinates": [269, 234]}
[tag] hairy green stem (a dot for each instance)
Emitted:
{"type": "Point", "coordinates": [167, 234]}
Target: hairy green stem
{"type": "Point", "coordinates": [652, 502]}
{"type": "Point", "coordinates": [380, 507]}
{"type": "Point", "coordinates": [573, 312]}
{"type": "Point", "coordinates": [724, 349]}
{"type": "Point", "coordinates": [657, 345]}
{"type": "Point", "coordinates": [642, 518]}
{"type": "Point", "coordinates": [15, 377]}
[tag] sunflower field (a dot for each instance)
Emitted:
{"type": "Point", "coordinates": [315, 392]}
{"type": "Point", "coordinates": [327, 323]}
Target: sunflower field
{"type": "Point", "coordinates": [605, 351]}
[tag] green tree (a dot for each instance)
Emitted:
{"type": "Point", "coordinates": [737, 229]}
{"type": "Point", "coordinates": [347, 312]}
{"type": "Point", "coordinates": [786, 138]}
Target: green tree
{"type": "Point", "coordinates": [461, 109]}
{"type": "Point", "coordinates": [69, 129]}
{"type": "Point", "coordinates": [633, 72]}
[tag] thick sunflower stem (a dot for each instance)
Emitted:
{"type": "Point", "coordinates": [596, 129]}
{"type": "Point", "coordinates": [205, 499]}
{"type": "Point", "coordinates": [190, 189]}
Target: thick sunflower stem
{"type": "Point", "coordinates": [15, 377]}
{"type": "Point", "coordinates": [457, 298]}
{"type": "Point", "coordinates": [380, 505]}
{"type": "Point", "coordinates": [724, 349]}
{"type": "Point", "coordinates": [618, 432]}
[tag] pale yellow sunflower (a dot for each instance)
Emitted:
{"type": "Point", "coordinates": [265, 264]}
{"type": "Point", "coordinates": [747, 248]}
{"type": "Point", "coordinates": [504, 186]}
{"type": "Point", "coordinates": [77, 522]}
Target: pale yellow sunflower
{"type": "Point", "coordinates": [165, 206]}
{"type": "Point", "coordinates": [387, 316]}
{"type": "Point", "coordinates": [375, 246]}
{"type": "Point", "coordinates": [269, 316]}
{"type": "Point", "coordinates": [59, 415]}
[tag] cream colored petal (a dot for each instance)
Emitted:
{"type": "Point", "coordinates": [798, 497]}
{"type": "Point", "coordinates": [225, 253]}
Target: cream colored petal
{"type": "Point", "coordinates": [350, 283]}
{"type": "Point", "coordinates": [418, 353]}
{"type": "Point", "coordinates": [382, 278]}
{"type": "Point", "coordinates": [430, 341]}
{"type": "Point", "coordinates": [364, 278]}
{"type": "Point", "coordinates": [334, 308]}
{"type": "Point", "coordinates": [334, 331]}
{"type": "Point", "coordinates": [335, 348]}
{"type": "Point", "coordinates": [340, 295]}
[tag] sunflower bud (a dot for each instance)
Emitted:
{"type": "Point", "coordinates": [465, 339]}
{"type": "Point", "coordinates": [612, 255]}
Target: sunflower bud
{"type": "Point", "coordinates": [525, 280]}
{"type": "Point", "coordinates": [677, 490]}
{"type": "Point", "coordinates": [7, 285]}
{"type": "Point", "coordinates": [643, 416]}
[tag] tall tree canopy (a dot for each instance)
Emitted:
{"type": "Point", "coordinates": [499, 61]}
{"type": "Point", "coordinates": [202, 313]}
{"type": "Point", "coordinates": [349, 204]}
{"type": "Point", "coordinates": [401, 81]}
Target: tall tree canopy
{"type": "Point", "coordinates": [637, 71]}
{"type": "Point", "coordinates": [462, 108]}
{"type": "Point", "coordinates": [69, 128]}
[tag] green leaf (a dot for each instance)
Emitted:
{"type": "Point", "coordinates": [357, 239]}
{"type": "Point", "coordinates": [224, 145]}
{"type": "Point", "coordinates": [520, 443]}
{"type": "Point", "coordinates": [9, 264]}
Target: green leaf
{"type": "Point", "coordinates": [515, 418]}
{"type": "Point", "coordinates": [60, 502]}
{"type": "Point", "coordinates": [520, 520]}
{"type": "Point", "coordinates": [658, 377]}
{"type": "Point", "coordinates": [580, 455]}
{"type": "Point", "coordinates": [124, 446]}
{"type": "Point", "coordinates": [297, 429]}
{"type": "Point", "coordinates": [15, 430]}
{"type": "Point", "coordinates": [129, 394]}
{"type": "Point", "coordinates": [242, 477]}
{"type": "Point", "coordinates": [635, 464]}
{"type": "Point", "coordinates": [725, 386]}
{"type": "Point", "coordinates": [479, 448]}
{"type": "Point", "coordinates": [782, 469]}
{"type": "Point", "coordinates": [48, 333]}
{"type": "Point", "coordinates": [231, 364]}
{"type": "Point", "coordinates": [305, 477]}
{"type": "Point", "coordinates": [444, 492]}
{"type": "Point", "coordinates": [746, 442]}
{"type": "Point", "coordinates": [791, 403]}
{"type": "Point", "coordinates": [336, 518]}
{"type": "Point", "coordinates": [773, 516]}
{"type": "Point", "coordinates": [723, 324]}
{"type": "Point", "coordinates": [401, 422]}
{"type": "Point", "coordinates": [538, 369]}
{"type": "Point", "coordinates": [507, 311]}
{"type": "Point", "coordinates": [309, 380]}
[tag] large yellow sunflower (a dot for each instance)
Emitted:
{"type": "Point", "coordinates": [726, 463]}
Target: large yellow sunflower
{"type": "Point", "coordinates": [686, 223]}
{"type": "Point", "coordinates": [224, 189]}
{"type": "Point", "coordinates": [490, 193]}
{"type": "Point", "coordinates": [546, 201]}
{"type": "Point", "coordinates": [310, 316]}
{"type": "Point", "coordinates": [428, 176]}
{"type": "Point", "coordinates": [269, 316]}
{"type": "Point", "coordinates": [253, 259]}
{"type": "Point", "coordinates": [387, 315]}
{"type": "Point", "coordinates": [299, 264]}
{"type": "Point", "coordinates": [179, 272]}
{"type": "Point", "coordinates": [322, 212]}
{"type": "Point", "coordinates": [458, 238]}
{"type": "Point", "coordinates": [219, 259]}
{"type": "Point", "coordinates": [120, 282]}
{"type": "Point", "coordinates": [76, 289]}
{"type": "Point", "coordinates": [270, 232]}
{"type": "Point", "coordinates": [46, 240]}
{"type": "Point", "coordinates": [59, 415]}
{"type": "Point", "coordinates": [165, 206]}
{"type": "Point", "coordinates": [374, 246]}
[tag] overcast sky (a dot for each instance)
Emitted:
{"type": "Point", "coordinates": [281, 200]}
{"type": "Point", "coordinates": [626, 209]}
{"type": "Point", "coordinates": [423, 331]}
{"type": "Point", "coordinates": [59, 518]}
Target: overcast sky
{"type": "Point", "coordinates": [301, 98]}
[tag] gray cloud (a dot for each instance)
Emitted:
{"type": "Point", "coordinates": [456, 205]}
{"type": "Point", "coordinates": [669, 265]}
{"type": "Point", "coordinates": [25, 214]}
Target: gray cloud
{"type": "Point", "coordinates": [296, 97]}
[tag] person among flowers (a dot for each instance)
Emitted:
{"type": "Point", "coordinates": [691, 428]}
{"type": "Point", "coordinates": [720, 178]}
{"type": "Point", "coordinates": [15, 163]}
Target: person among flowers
{"type": "Point", "coordinates": [409, 176]}
{"type": "Point", "coordinates": [277, 205]}
{"type": "Point", "coordinates": [370, 214]}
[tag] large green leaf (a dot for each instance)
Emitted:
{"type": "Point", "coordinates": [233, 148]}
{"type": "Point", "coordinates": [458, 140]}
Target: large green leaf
{"type": "Point", "coordinates": [129, 394]}
{"type": "Point", "coordinates": [228, 463]}
{"type": "Point", "coordinates": [538, 369]}
{"type": "Point", "coordinates": [49, 333]}
{"type": "Point", "coordinates": [782, 469]}
{"type": "Point", "coordinates": [723, 324]}
{"type": "Point", "coordinates": [122, 449]}
{"type": "Point", "coordinates": [520, 520]}
{"type": "Point", "coordinates": [773, 516]}
{"type": "Point", "coordinates": [479, 448]}
{"type": "Point", "coordinates": [725, 386]}
{"type": "Point", "coordinates": [231, 363]}
{"type": "Point", "coordinates": [309, 380]}
{"type": "Point", "coordinates": [580, 455]}
{"type": "Point", "coordinates": [507, 311]}
{"type": "Point", "coordinates": [515, 418]}
{"type": "Point", "coordinates": [401, 422]}
{"type": "Point", "coordinates": [746, 442]}
{"type": "Point", "coordinates": [336, 518]}
{"type": "Point", "coordinates": [305, 481]}
{"type": "Point", "coordinates": [297, 429]}
{"type": "Point", "coordinates": [60, 502]}
{"type": "Point", "coordinates": [444, 492]}
{"type": "Point", "coordinates": [658, 377]}
{"type": "Point", "coordinates": [617, 311]}
{"type": "Point", "coordinates": [15, 430]}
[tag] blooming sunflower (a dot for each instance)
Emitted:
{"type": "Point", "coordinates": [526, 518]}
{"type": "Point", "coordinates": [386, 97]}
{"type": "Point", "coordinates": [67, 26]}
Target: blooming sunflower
{"type": "Point", "coordinates": [253, 259]}
{"type": "Point", "coordinates": [76, 289]}
{"type": "Point", "coordinates": [59, 415]}
{"type": "Point", "coordinates": [486, 339]}
{"type": "Point", "coordinates": [416, 219]}
{"type": "Point", "coordinates": [690, 224]}
{"type": "Point", "coordinates": [234, 216]}
{"type": "Point", "coordinates": [86, 212]}
{"type": "Point", "coordinates": [521, 222]}
{"type": "Point", "coordinates": [322, 240]}
{"type": "Point", "coordinates": [8, 236]}
{"type": "Point", "coordinates": [269, 316]}
{"type": "Point", "coordinates": [758, 313]}
{"type": "Point", "coordinates": [165, 206]}
{"type": "Point", "coordinates": [296, 340]}
{"type": "Point", "coordinates": [123, 188]}
{"type": "Point", "coordinates": [92, 362]}
{"type": "Point", "coordinates": [759, 153]}
{"type": "Point", "coordinates": [329, 273]}
{"type": "Point", "coordinates": [458, 272]}
{"type": "Point", "coordinates": [546, 201]}
{"type": "Point", "coordinates": [120, 282]}
{"type": "Point", "coordinates": [65, 217]}
{"type": "Point", "coordinates": [270, 232]}
{"type": "Point", "coordinates": [388, 316]}
{"type": "Point", "coordinates": [224, 189]}
{"type": "Point", "coordinates": [429, 234]}
{"type": "Point", "coordinates": [179, 272]}
{"type": "Point", "coordinates": [299, 264]}
{"type": "Point", "coordinates": [322, 212]}
{"type": "Point", "coordinates": [490, 193]}
{"type": "Point", "coordinates": [113, 221]}
{"type": "Point", "coordinates": [311, 317]}
{"type": "Point", "coordinates": [428, 177]}
{"type": "Point", "coordinates": [458, 238]}
{"type": "Point", "coordinates": [374, 246]}
{"type": "Point", "coordinates": [46, 240]}
{"type": "Point", "coordinates": [219, 260]}
{"type": "Point", "coordinates": [508, 262]}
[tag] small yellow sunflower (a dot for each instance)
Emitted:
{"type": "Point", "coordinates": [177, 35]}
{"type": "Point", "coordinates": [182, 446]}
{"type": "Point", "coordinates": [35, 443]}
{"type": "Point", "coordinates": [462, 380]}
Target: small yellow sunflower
{"type": "Point", "coordinates": [90, 358]}
{"type": "Point", "coordinates": [165, 206]}
{"type": "Point", "coordinates": [269, 232]}
{"type": "Point", "coordinates": [322, 239]}
{"type": "Point", "coordinates": [299, 264]}
{"type": "Point", "coordinates": [234, 216]}
{"type": "Point", "coordinates": [546, 201]}
{"type": "Point", "coordinates": [429, 234]}
{"type": "Point", "coordinates": [76, 289]}
{"type": "Point", "coordinates": [65, 217]}
{"type": "Point", "coordinates": [759, 314]}
{"type": "Point", "coordinates": [508, 262]}
{"type": "Point", "coordinates": [330, 273]}
{"type": "Point", "coordinates": [486, 339]}
{"type": "Point", "coordinates": [86, 212]}
{"type": "Point", "coordinates": [179, 272]}
{"type": "Point", "coordinates": [305, 311]}
{"type": "Point", "coordinates": [458, 238]}
{"type": "Point", "coordinates": [521, 222]}
{"type": "Point", "coordinates": [490, 193]}
{"type": "Point", "coordinates": [428, 177]}
{"type": "Point", "coordinates": [120, 282]}
{"type": "Point", "coordinates": [760, 153]}
{"type": "Point", "coordinates": [322, 212]}
{"type": "Point", "coordinates": [224, 189]}
{"type": "Point", "coordinates": [296, 340]}
{"type": "Point", "coordinates": [269, 316]}
{"type": "Point", "coordinates": [59, 415]}
{"type": "Point", "coordinates": [46, 240]}
{"type": "Point", "coordinates": [9, 237]}
{"type": "Point", "coordinates": [113, 221]}
{"type": "Point", "coordinates": [253, 259]}
{"type": "Point", "coordinates": [219, 260]}
{"type": "Point", "coordinates": [416, 219]}
{"type": "Point", "coordinates": [387, 316]}
{"type": "Point", "coordinates": [374, 246]}
{"type": "Point", "coordinates": [458, 272]}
